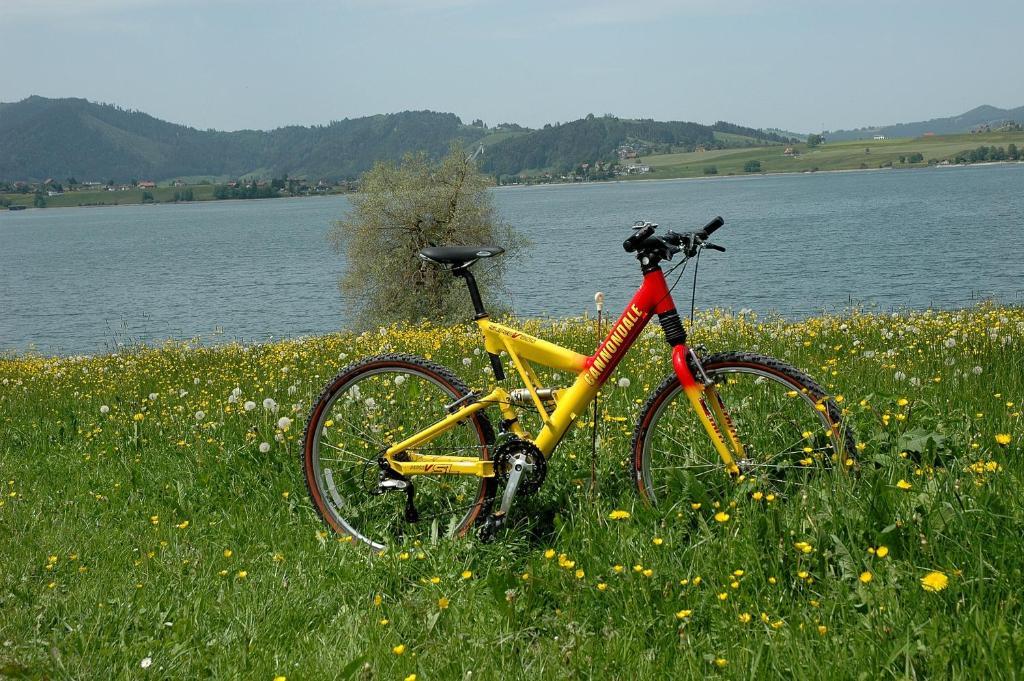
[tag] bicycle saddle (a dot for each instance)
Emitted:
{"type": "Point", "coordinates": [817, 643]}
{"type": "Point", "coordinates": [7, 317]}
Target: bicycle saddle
{"type": "Point", "coordinates": [459, 256]}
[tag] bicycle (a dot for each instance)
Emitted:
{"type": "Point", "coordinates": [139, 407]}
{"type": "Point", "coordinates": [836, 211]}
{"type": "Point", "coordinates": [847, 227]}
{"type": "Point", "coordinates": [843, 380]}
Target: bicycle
{"type": "Point", "coordinates": [397, 447]}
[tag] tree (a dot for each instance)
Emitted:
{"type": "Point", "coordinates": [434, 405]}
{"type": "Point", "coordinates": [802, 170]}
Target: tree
{"type": "Point", "coordinates": [403, 208]}
{"type": "Point", "coordinates": [752, 167]}
{"type": "Point", "coordinates": [814, 140]}
{"type": "Point", "coordinates": [916, 157]}
{"type": "Point", "coordinates": [39, 201]}
{"type": "Point", "coordinates": [1011, 152]}
{"type": "Point", "coordinates": [710, 170]}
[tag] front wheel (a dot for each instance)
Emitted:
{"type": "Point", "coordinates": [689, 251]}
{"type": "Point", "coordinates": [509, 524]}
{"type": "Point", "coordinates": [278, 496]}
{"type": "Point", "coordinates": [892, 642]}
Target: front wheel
{"type": "Point", "coordinates": [787, 425]}
{"type": "Point", "coordinates": [366, 408]}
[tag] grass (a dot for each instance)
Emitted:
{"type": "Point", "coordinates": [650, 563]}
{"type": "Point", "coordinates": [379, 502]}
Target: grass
{"type": "Point", "coordinates": [141, 537]}
{"type": "Point", "coordinates": [830, 156]}
{"type": "Point", "coordinates": [116, 198]}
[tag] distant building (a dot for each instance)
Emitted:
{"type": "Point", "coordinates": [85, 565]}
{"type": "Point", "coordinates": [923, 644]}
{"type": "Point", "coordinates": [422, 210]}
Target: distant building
{"type": "Point", "coordinates": [147, 184]}
{"type": "Point", "coordinates": [789, 152]}
{"type": "Point", "coordinates": [879, 137]}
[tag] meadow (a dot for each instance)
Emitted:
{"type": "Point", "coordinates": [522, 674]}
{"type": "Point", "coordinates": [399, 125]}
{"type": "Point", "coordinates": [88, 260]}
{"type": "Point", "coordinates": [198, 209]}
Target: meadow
{"type": "Point", "coordinates": [829, 156]}
{"type": "Point", "coordinates": [154, 523]}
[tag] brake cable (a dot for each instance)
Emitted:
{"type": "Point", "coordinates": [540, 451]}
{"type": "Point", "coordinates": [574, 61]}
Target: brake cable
{"type": "Point", "coordinates": [693, 293]}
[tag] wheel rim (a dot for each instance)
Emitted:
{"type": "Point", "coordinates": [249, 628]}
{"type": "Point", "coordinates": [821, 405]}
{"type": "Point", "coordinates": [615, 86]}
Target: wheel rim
{"type": "Point", "coordinates": [362, 418]}
{"type": "Point", "coordinates": [786, 438]}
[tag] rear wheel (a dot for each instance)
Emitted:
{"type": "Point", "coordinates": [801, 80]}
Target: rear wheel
{"type": "Point", "coordinates": [788, 426]}
{"type": "Point", "coordinates": [368, 407]}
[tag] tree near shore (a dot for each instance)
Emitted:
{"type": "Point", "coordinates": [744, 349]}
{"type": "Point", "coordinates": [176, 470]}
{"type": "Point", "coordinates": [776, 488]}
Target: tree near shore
{"type": "Point", "coordinates": [403, 208]}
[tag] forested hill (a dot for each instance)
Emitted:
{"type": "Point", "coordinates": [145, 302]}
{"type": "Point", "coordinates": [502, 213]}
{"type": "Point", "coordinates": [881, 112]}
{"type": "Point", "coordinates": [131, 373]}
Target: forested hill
{"type": "Point", "coordinates": [59, 138]}
{"type": "Point", "coordinates": [969, 121]}
{"type": "Point", "coordinates": [560, 147]}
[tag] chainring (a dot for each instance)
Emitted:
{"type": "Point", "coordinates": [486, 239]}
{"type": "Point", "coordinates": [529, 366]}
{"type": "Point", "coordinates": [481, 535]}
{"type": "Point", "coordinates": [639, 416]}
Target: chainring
{"type": "Point", "coordinates": [531, 481]}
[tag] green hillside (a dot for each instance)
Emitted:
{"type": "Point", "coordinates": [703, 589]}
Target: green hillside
{"type": "Point", "coordinates": [830, 156]}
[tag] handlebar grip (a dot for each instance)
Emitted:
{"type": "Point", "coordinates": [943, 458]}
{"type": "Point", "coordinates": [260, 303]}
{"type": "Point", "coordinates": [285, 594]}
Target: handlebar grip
{"type": "Point", "coordinates": [712, 226]}
{"type": "Point", "coordinates": [634, 240]}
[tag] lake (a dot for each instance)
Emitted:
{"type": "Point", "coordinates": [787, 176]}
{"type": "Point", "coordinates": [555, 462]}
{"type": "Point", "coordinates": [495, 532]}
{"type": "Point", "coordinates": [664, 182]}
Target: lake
{"type": "Point", "coordinates": [84, 280]}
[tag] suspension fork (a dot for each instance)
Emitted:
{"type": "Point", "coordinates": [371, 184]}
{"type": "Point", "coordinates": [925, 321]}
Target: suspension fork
{"type": "Point", "coordinates": [714, 418]}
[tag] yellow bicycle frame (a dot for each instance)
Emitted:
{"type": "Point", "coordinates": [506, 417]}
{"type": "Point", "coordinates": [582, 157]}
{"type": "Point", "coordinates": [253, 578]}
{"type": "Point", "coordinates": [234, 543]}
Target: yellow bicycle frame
{"type": "Point", "coordinates": [569, 403]}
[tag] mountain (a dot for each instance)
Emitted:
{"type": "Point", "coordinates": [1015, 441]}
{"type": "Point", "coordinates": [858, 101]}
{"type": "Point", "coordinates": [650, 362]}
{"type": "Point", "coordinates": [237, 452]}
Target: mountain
{"type": "Point", "coordinates": [59, 138]}
{"type": "Point", "coordinates": [965, 122]}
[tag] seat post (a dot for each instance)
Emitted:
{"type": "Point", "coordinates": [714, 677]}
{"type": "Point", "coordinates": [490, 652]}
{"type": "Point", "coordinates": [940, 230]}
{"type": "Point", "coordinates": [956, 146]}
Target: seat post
{"type": "Point", "coordinates": [474, 292]}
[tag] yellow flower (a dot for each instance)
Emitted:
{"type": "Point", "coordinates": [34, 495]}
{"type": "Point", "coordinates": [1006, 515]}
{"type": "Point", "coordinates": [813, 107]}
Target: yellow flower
{"type": "Point", "coordinates": [411, 677]}
{"type": "Point", "coordinates": [442, 603]}
{"type": "Point", "coordinates": [228, 553]}
{"type": "Point", "coordinates": [280, 677]}
{"type": "Point", "coordinates": [1003, 439]}
{"type": "Point", "coordinates": [466, 574]}
{"type": "Point", "coordinates": [618, 515]}
{"type": "Point", "coordinates": [683, 614]}
{"type": "Point", "coordinates": [882, 551]}
{"type": "Point", "coordinates": [722, 517]}
{"type": "Point", "coordinates": [903, 484]}
{"type": "Point", "coordinates": [399, 649]}
{"type": "Point", "coordinates": [602, 586]}
{"type": "Point", "coordinates": [182, 525]}
{"type": "Point", "coordinates": [744, 617]}
{"type": "Point", "coordinates": [580, 574]}
{"type": "Point", "coordinates": [618, 569]}
{"type": "Point", "coordinates": [822, 629]}
{"type": "Point", "coordinates": [241, 574]}
{"type": "Point", "coordinates": [865, 577]}
{"type": "Point", "coordinates": [377, 599]}
{"type": "Point", "coordinates": [757, 496]}
{"type": "Point", "coordinates": [435, 580]}
{"type": "Point", "coordinates": [903, 401]}
{"type": "Point", "coordinates": [803, 547]}
{"type": "Point", "coordinates": [721, 662]}
{"type": "Point", "coordinates": [695, 506]}
{"type": "Point", "coordinates": [549, 554]}
{"type": "Point", "coordinates": [723, 596]}
{"type": "Point", "coordinates": [934, 581]}
{"type": "Point", "coordinates": [648, 572]}
{"type": "Point", "coordinates": [803, 574]}
{"type": "Point", "coordinates": [658, 541]}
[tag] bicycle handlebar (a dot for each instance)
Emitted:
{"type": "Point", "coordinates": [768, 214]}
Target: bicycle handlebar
{"type": "Point", "coordinates": [634, 240]}
{"type": "Point", "coordinates": [664, 247]}
{"type": "Point", "coordinates": [710, 228]}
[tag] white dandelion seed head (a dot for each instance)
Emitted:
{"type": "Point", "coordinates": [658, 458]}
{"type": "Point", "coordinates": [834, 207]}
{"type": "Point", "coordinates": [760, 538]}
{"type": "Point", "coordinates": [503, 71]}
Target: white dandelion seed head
{"type": "Point", "coordinates": [146, 662]}
{"type": "Point", "coordinates": [270, 405]}
{"type": "Point", "coordinates": [200, 415]}
{"type": "Point", "coordinates": [623, 382]}
{"type": "Point", "coordinates": [466, 361]}
{"type": "Point", "coordinates": [915, 381]}
{"type": "Point", "coordinates": [104, 409]}
{"type": "Point", "coordinates": [249, 405]}
{"type": "Point", "coordinates": [279, 437]}
{"type": "Point", "coordinates": [264, 447]}
{"type": "Point", "coordinates": [195, 381]}
{"type": "Point", "coordinates": [284, 423]}
{"type": "Point", "coordinates": [370, 403]}
{"type": "Point", "coordinates": [153, 396]}
{"type": "Point", "coordinates": [949, 342]}
{"type": "Point", "coordinates": [399, 380]}
{"type": "Point", "coordinates": [182, 393]}
{"type": "Point", "coordinates": [976, 371]}
{"type": "Point", "coordinates": [900, 376]}
{"type": "Point", "coordinates": [236, 392]}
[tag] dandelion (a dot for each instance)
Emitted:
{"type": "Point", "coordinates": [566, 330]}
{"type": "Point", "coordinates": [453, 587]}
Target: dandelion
{"type": "Point", "coordinates": [745, 618]}
{"type": "Point", "coordinates": [722, 517]}
{"type": "Point", "coordinates": [264, 447]}
{"type": "Point", "coordinates": [399, 649]}
{"type": "Point", "coordinates": [284, 423]}
{"type": "Point", "coordinates": [618, 515]}
{"type": "Point", "coordinates": [623, 382]}
{"type": "Point", "coordinates": [200, 415]}
{"type": "Point", "coordinates": [104, 409]}
{"type": "Point", "coordinates": [1003, 439]}
{"type": "Point", "coordinates": [580, 574]}
{"type": "Point", "coordinates": [934, 581]}
{"type": "Point", "coordinates": [280, 677]}
{"type": "Point", "coordinates": [466, 574]}
{"type": "Point", "coordinates": [903, 484]}
{"type": "Point", "coordinates": [242, 574]}
{"type": "Point", "coordinates": [657, 541]}
{"type": "Point", "coordinates": [549, 554]}
{"type": "Point", "coordinates": [411, 677]}
{"type": "Point", "coordinates": [882, 551]}
{"type": "Point", "coordinates": [865, 577]}
{"type": "Point", "coordinates": [228, 553]}
{"type": "Point", "coordinates": [683, 614]}
{"type": "Point", "coordinates": [442, 603]}
{"type": "Point", "coordinates": [721, 662]}
{"type": "Point", "coordinates": [822, 629]}
{"type": "Point", "coordinates": [900, 376]}
{"type": "Point", "coordinates": [270, 405]}
{"type": "Point", "coordinates": [601, 586]}
{"type": "Point", "coordinates": [146, 662]}
{"type": "Point", "coordinates": [976, 371]}
{"type": "Point", "coordinates": [399, 380]}
{"type": "Point", "coordinates": [249, 405]}
{"type": "Point", "coordinates": [182, 525]}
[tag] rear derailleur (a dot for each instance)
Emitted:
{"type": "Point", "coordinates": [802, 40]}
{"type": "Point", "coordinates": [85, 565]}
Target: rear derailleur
{"type": "Point", "coordinates": [388, 480]}
{"type": "Point", "coordinates": [521, 467]}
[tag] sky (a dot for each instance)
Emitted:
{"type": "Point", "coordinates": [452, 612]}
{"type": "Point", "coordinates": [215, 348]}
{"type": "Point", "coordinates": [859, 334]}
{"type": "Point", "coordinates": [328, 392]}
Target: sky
{"type": "Point", "coordinates": [799, 65]}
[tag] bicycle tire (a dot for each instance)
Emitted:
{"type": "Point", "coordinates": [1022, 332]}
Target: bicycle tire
{"type": "Point", "coordinates": [377, 519]}
{"type": "Point", "coordinates": [801, 396]}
